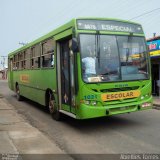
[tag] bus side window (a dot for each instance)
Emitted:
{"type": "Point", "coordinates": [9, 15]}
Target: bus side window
{"type": "Point", "coordinates": [48, 53]}
{"type": "Point", "coordinates": [14, 63]}
{"type": "Point", "coordinates": [47, 61]}
{"type": "Point", "coordinates": [32, 57]}
{"type": "Point", "coordinates": [27, 58]}
{"type": "Point", "coordinates": [35, 57]}
{"type": "Point", "coordinates": [10, 64]}
{"type": "Point", "coordinates": [52, 60]}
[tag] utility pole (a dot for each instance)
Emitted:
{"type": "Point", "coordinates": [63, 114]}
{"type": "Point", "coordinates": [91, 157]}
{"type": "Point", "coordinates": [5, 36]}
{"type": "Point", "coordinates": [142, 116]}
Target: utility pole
{"type": "Point", "coordinates": [154, 34]}
{"type": "Point", "coordinates": [3, 61]}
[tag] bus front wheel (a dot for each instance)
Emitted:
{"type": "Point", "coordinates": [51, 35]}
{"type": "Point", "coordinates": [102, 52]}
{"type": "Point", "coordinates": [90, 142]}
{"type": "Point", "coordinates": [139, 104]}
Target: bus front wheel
{"type": "Point", "coordinates": [53, 109]}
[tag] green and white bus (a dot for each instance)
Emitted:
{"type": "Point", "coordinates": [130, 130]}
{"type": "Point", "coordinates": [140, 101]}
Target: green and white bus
{"type": "Point", "coordinates": [87, 68]}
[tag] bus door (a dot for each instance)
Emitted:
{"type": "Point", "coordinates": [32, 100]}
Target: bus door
{"type": "Point", "coordinates": [65, 73]}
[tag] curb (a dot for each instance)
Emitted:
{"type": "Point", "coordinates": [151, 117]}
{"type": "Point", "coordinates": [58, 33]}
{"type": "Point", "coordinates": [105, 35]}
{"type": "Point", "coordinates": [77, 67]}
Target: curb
{"type": "Point", "coordinates": [156, 106]}
{"type": "Point", "coordinates": [18, 136]}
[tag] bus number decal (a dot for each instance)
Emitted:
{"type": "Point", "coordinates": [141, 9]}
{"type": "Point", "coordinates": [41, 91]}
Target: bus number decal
{"type": "Point", "coordinates": [90, 97]}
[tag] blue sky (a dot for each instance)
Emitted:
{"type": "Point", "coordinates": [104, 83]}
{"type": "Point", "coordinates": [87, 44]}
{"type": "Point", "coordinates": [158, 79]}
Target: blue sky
{"type": "Point", "coordinates": [27, 20]}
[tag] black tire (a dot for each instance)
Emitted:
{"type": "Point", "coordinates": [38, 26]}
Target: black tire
{"type": "Point", "coordinates": [56, 115]}
{"type": "Point", "coordinates": [19, 97]}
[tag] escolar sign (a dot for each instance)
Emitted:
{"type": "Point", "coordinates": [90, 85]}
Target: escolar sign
{"type": "Point", "coordinates": [24, 78]}
{"type": "Point", "coordinates": [120, 95]}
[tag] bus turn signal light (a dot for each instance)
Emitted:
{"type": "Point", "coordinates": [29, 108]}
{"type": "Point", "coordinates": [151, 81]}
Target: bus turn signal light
{"type": "Point", "coordinates": [146, 105]}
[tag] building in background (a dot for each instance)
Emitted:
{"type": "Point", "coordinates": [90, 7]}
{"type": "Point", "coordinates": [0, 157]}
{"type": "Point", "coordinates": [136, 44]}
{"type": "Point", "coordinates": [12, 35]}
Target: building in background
{"type": "Point", "coordinates": [3, 73]}
{"type": "Point", "coordinates": [154, 48]}
{"type": "Point", "coordinates": [3, 67]}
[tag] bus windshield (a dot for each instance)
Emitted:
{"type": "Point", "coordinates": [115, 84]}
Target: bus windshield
{"type": "Point", "coordinates": [107, 58]}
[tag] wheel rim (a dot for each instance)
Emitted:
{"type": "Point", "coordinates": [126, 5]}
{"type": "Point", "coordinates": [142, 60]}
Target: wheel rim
{"type": "Point", "coordinates": [51, 105]}
{"type": "Point", "coordinates": [17, 91]}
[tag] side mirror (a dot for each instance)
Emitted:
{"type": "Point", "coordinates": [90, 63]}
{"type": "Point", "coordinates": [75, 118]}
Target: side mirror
{"type": "Point", "coordinates": [74, 46]}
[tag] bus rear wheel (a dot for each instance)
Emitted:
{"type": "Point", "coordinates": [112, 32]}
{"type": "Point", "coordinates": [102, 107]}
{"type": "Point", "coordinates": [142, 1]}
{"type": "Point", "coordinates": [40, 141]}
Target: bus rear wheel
{"type": "Point", "coordinates": [19, 97]}
{"type": "Point", "coordinates": [53, 109]}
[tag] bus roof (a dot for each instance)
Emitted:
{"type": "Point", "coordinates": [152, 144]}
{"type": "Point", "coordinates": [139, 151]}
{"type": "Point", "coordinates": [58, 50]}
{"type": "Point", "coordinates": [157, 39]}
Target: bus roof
{"type": "Point", "coordinates": [62, 28]}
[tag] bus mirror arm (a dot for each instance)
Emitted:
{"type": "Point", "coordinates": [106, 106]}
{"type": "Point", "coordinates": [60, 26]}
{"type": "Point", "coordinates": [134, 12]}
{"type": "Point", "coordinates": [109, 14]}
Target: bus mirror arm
{"type": "Point", "coordinates": [74, 46]}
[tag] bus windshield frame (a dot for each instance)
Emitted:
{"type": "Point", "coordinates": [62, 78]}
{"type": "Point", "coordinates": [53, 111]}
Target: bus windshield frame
{"type": "Point", "coordinates": [113, 58]}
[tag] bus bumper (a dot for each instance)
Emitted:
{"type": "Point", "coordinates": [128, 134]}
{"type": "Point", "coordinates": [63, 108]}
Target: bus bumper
{"type": "Point", "coordinates": [87, 111]}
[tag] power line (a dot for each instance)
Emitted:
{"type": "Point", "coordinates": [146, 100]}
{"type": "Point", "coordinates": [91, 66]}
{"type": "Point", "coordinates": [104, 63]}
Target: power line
{"type": "Point", "coordinates": [22, 43]}
{"type": "Point", "coordinates": [144, 13]}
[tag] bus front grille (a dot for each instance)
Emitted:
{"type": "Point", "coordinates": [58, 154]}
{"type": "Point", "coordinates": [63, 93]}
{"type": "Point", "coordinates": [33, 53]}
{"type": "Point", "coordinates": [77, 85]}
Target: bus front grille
{"type": "Point", "coordinates": [119, 89]}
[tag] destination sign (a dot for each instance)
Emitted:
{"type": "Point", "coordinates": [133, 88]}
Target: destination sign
{"type": "Point", "coordinates": [108, 25]}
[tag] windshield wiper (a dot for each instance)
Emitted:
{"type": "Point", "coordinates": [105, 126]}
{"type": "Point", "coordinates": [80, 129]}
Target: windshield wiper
{"type": "Point", "coordinates": [98, 47]}
{"type": "Point", "coordinates": [128, 49]}
{"type": "Point", "coordinates": [127, 55]}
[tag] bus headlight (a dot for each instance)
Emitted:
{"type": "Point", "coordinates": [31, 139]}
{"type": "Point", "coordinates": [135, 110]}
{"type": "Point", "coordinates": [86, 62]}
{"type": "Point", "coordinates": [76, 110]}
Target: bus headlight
{"type": "Point", "coordinates": [86, 102]}
{"type": "Point", "coordinates": [144, 96]}
{"type": "Point", "coordinates": [94, 103]}
{"type": "Point", "coordinates": [146, 105]}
